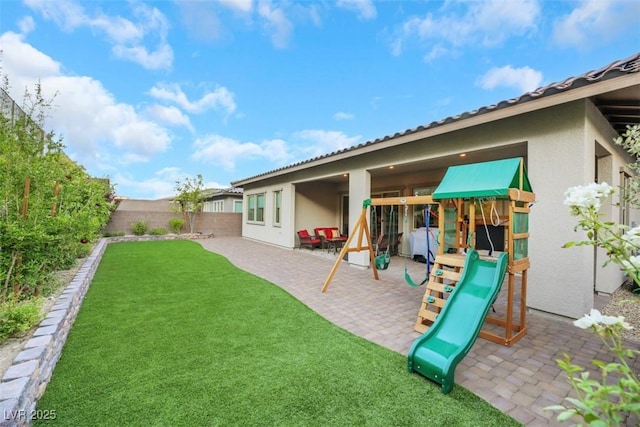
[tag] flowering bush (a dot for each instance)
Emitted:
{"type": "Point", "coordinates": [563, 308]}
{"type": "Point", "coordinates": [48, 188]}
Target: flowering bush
{"type": "Point", "coordinates": [621, 242]}
{"type": "Point", "coordinates": [617, 395]}
{"type": "Point", "coordinates": [610, 401]}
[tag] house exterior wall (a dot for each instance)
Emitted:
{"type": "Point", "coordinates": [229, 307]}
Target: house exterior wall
{"type": "Point", "coordinates": [559, 144]}
{"type": "Point", "coordinates": [267, 231]}
{"type": "Point", "coordinates": [607, 278]}
{"type": "Point", "coordinates": [227, 203]}
{"type": "Point", "coordinates": [317, 205]}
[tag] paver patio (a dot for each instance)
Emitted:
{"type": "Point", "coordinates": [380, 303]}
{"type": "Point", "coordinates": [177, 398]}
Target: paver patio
{"type": "Point", "coordinates": [519, 380]}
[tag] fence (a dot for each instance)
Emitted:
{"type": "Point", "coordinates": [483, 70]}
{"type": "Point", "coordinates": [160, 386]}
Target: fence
{"type": "Point", "coordinates": [216, 223]}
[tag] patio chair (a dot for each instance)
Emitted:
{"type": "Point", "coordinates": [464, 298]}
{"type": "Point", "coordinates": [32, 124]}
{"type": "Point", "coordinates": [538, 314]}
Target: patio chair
{"type": "Point", "coordinates": [320, 234]}
{"type": "Point", "coordinates": [307, 240]}
{"type": "Point", "coordinates": [334, 239]}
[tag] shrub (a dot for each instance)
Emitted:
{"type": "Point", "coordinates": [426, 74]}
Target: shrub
{"type": "Point", "coordinates": [176, 225]}
{"type": "Point", "coordinates": [139, 227]}
{"type": "Point", "coordinates": [160, 231]}
{"type": "Point", "coordinates": [18, 317]}
{"type": "Point", "coordinates": [610, 400]}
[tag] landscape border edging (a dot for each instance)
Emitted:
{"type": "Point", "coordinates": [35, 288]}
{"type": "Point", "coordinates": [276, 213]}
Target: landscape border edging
{"type": "Point", "coordinates": [27, 378]}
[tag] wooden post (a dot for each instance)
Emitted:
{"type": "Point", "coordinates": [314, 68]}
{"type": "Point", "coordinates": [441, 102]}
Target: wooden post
{"type": "Point", "coordinates": [25, 201]}
{"type": "Point", "coordinates": [56, 191]}
{"type": "Point", "coordinates": [361, 229]}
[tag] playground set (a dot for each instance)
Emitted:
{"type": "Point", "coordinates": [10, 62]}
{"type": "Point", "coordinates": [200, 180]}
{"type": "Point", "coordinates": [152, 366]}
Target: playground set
{"type": "Point", "coordinates": [481, 205]}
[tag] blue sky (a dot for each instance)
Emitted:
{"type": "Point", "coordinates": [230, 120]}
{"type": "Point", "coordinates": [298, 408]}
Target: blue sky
{"type": "Point", "coordinates": [148, 93]}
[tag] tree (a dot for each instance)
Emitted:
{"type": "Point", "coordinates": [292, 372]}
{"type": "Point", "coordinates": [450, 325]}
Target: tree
{"type": "Point", "coordinates": [190, 199]}
{"type": "Point", "coordinates": [49, 206]}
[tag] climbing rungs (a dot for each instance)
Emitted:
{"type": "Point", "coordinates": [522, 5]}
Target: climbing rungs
{"type": "Point", "coordinates": [439, 287]}
{"type": "Point", "coordinates": [427, 315]}
{"type": "Point", "coordinates": [445, 274]}
{"type": "Point", "coordinates": [435, 301]}
{"type": "Point", "coordinates": [452, 260]}
{"type": "Point", "coordinates": [421, 327]}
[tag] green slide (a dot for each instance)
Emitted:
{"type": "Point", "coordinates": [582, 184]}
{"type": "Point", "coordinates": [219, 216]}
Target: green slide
{"type": "Point", "coordinates": [437, 353]}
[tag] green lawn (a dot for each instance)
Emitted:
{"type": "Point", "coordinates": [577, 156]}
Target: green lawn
{"type": "Point", "coordinates": [170, 334]}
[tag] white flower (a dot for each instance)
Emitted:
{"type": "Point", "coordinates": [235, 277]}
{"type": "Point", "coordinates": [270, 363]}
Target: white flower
{"type": "Point", "coordinates": [587, 196]}
{"type": "Point", "coordinates": [633, 263]}
{"type": "Point", "coordinates": [596, 318]}
{"type": "Point", "coordinates": [632, 238]}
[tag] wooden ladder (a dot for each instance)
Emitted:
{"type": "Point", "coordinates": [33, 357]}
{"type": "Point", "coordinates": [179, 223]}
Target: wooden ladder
{"type": "Point", "coordinates": [444, 276]}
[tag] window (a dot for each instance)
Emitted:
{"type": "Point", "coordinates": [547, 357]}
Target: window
{"type": "Point", "coordinates": [251, 211]}
{"type": "Point", "coordinates": [260, 209]}
{"type": "Point", "coordinates": [237, 206]}
{"type": "Point", "coordinates": [255, 211]}
{"type": "Point", "coordinates": [218, 206]}
{"type": "Point", "coordinates": [277, 206]}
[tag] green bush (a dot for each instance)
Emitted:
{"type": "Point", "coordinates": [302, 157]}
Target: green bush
{"type": "Point", "coordinates": [160, 231]}
{"type": "Point", "coordinates": [139, 227]}
{"type": "Point", "coordinates": [18, 317]}
{"type": "Point", "coordinates": [66, 207]}
{"type": "Point", "coordinates": [176, 225]}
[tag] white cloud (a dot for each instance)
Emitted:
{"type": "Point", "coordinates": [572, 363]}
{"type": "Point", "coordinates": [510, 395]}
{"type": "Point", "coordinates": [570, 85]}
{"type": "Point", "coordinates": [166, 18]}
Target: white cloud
{"type": "Point", "coordinates": [487, 23]}
{"type": "Point", "coordinates": [26, 25]}
{"type": "Point", "coordinates": [276, 23]}
{"type": "Point", "coordinates": [220, 98]}
{"type": "Point", "coordinates": [127, 37]}
{"type": "Point", "coordinates": [65, 13]}
{"type": "Point", "coordinates": [24, 64]}
{"type": "Point", "coordinates": [320, 142]}
{"type": "Point", "coordinates": [436, 52]}
{"type": "Point", "coordinates": [343, 116]}
{"type": "Point", "coordinates": [244, 6]}
{"type": "Point", "coordinates": [226, 152]}
{"type": "Point", "coordinates": [159, 186]}
{"type": "Point", "coordinates": [98, 131]}
{"type": "Point", "coordinates": [276, 150]}
{"type": "Point", "coordinates": [218, 150]}
{"type": "Point", "coordinates": [364, 8]}
{"type": "Point", "coordinates": [170, 115]}
{"type": "Point", "coordinates": [593, 21]}
{"type": "Point", "coordinates": [525, 79]}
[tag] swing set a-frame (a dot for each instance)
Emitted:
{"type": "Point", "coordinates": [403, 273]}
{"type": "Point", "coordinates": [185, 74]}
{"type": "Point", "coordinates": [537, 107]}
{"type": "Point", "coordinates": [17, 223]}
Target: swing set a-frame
{"type": "Point", "coordinates": [462, 189]}
{"type": "Point", "coordinates": [363, 235]}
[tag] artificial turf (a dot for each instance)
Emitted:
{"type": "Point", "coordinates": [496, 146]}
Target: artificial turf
{"type": "Point", "coordinates": [170, 334]}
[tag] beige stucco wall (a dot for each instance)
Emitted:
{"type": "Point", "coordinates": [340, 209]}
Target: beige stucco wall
{"type": "Point", "coordinates": [268, 231]}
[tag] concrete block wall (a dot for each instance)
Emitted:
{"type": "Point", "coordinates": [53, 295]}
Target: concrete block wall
{"type": "Point", "coordinates": [211, 223]}
{"type": "Point", "coordinates": [26, 379]}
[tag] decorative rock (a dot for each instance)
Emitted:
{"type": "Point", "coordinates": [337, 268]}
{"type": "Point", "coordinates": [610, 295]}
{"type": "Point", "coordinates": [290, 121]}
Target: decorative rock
{"type": "Point", "coordinates": [25, 369]}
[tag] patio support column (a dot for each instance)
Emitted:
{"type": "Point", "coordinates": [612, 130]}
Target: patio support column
{"type": "Point", "coordinates": [359, 190]}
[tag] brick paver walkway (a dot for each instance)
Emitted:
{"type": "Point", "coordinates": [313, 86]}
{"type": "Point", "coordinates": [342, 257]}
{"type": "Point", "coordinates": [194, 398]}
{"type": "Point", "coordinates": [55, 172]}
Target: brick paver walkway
{"type": "Point", "coordinates": [519, 380]}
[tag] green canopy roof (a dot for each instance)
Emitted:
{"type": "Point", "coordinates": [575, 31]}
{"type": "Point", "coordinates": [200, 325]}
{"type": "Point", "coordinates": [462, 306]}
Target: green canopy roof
{"type": "Point", "coordinates": [487, 179]}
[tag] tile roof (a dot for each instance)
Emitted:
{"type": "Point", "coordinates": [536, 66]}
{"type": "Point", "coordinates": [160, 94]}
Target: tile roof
{"type": "Point", "coordinates": [613, 70]}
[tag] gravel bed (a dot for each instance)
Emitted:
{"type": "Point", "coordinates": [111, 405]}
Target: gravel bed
{"type": "Point", "coordinates": [624, 303]}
